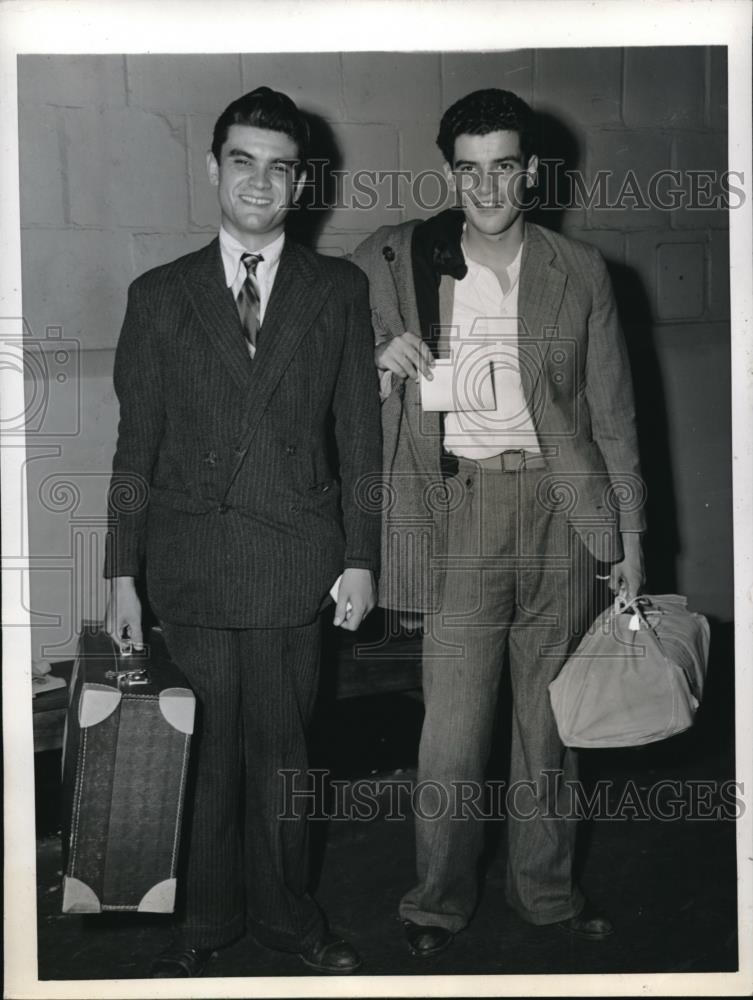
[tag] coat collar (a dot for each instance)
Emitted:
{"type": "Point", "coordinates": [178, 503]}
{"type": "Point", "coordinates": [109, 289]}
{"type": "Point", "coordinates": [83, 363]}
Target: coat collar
{"type": "Point", "coordinates": [435, 251]}
{"type": "Point", "coordinates": [438, 240]}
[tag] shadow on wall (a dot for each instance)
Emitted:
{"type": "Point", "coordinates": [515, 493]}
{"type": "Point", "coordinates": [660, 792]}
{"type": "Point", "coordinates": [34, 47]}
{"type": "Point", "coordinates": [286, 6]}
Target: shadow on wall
{"type": "Point", "coordinates": [561, 152]}
{"type": "Point", "coordinates": [306, 222]}
{"type": "Point", "coordinates": [662, 543]}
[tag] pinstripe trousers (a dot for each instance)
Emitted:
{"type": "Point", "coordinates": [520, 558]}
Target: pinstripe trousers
{"type": "Point", "coordinates": [518, 580]}
{"type": "Point", "coordinates": [243, 867]}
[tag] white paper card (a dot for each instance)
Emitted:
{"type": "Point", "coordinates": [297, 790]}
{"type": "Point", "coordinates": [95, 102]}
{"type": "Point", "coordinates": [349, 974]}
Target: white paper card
{"type": "Point", "coordinates": [450, 389]}
{"type": "Point", "coordinates": [334, 590]}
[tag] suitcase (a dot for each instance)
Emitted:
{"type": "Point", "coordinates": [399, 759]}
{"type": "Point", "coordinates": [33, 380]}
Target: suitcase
{"type": "Point", "coordinates": [125, 755]}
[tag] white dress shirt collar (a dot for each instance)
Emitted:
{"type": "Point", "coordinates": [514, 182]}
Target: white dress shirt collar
{"type": "Point", "coordinates": [232, 250]}
{"type": "Point", "coordinates": [512, 270]}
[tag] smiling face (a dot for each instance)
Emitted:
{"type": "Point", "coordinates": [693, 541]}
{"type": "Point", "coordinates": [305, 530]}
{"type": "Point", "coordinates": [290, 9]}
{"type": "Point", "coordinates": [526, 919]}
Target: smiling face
{"type": "Point", "coordinates": [256, 183]}
{"type": "Point", "coordinates": [490, 177]}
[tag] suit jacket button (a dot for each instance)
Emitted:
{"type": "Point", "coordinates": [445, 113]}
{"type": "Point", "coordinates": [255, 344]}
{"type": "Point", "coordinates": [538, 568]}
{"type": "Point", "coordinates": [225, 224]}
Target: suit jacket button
{"type": "Point", "coordinates": [290, 450]}
{"type": "Point", "coordinates": [210, 458]}
{"type": "Point", "coordinates": [223, 509]}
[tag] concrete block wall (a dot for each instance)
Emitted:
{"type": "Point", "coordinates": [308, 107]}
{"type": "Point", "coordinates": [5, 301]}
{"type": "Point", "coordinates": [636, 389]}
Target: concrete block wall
{"type": "Point", "coordinates": [113, 182]}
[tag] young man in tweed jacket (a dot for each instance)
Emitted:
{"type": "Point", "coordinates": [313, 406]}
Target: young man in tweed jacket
{"type": "Point", "coordinates": [499, 517]}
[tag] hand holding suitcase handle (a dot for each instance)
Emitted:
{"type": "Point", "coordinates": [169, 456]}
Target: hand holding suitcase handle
{"type": "Point", "coordinates": [126, 673]}
{"type": "Point", "coordinates": [123, 615]}
{"type": "Point", "coordinates": [123, 625]}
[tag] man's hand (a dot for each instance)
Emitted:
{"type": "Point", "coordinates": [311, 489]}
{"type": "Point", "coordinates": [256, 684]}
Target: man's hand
{"type": "Point", "coordinates": [628, 575]}
{"type": "Point", "coordinates": [405, 356]}
{"type": "Point", "coordinates": [123, 614]}
{"type": "Point", "coordinates": [358, 589]}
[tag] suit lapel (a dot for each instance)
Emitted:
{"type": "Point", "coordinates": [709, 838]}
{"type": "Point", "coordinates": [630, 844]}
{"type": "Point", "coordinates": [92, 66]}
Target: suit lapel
{"type": "Point", "coordinates": [213, 303]}
{"type": "Point", "coordinates": [539, 298]}
{"type": "Point", "coordinates": [298, 294]}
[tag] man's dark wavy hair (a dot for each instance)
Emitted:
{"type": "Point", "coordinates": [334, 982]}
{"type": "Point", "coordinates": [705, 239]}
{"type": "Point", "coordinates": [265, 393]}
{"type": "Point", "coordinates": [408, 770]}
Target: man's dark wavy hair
{"type": "Point", "coordinates": [486, 111]}
{"type": "Point", "coordinates": [264, 108]}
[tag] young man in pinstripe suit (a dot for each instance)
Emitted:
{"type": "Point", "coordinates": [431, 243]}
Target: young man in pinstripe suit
{"type": "Point", "coordinates": [524, 502]}
{"type": "Point", "coordinates": [240, 370]}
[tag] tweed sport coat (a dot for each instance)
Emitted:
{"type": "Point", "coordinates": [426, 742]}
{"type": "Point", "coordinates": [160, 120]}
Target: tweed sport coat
{"type": "Point", "coordinates": [235, 480]}
{"type": "Point", "coordinates": [575, 376]}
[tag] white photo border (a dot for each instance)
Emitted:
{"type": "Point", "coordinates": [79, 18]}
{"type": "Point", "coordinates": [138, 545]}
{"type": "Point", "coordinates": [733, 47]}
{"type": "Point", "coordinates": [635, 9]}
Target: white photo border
{"type": "Point", "coordinates": [137, 26]}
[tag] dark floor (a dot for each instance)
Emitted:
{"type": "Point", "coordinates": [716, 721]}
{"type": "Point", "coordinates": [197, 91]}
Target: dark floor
{"type": "Point", "coordinates": [669, 885]}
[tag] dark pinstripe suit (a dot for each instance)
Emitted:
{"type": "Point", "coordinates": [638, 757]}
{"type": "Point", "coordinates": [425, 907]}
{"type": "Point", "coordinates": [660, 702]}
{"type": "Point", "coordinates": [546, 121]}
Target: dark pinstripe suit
{"type": "Point", "coordinates": [224, 485]}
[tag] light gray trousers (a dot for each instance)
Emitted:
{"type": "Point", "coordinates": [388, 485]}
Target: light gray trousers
{"type": "Point", "coordinates": [518, 578]}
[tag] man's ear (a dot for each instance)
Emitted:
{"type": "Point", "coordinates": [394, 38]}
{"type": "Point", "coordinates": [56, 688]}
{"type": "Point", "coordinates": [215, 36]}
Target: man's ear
{"type": "Point", "coordinates": [213, 169]}
{"type": "Point", "coordinates": [299, 185]}
{"type": "Point", "coordinates": [533, 166]}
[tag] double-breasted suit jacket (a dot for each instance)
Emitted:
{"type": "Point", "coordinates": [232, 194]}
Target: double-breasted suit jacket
{"type": "Point", "coordinates": [236, 480]}
{"type": "Point", "coordinates": [575, 377]}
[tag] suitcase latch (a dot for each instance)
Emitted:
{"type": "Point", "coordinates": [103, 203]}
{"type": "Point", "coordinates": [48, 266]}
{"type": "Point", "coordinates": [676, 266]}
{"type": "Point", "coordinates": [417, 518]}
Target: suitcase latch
{"type": "Point", "coordinates": [129, 678]}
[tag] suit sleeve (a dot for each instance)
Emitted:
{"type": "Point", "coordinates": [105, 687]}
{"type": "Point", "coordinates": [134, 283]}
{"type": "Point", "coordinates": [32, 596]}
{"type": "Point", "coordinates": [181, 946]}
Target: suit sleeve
{"type": "Point", "coordinates": [137, 379]}
{"type": "Point", "coordinates": [358, 431]}
{"type": "Point", "coordinates": [611, 404]}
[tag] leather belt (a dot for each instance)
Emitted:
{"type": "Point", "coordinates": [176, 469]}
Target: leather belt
{"type": "Point", "coordinates": [517, 460]}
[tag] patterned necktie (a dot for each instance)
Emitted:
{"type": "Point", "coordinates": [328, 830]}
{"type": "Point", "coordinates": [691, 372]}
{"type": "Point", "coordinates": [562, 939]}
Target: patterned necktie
{"type": "Point", "coordinates": [248, 300]}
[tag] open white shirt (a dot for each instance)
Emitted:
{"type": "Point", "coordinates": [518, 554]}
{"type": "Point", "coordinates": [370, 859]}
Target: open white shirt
{"type": "Point", "coordinates": [484, 344]}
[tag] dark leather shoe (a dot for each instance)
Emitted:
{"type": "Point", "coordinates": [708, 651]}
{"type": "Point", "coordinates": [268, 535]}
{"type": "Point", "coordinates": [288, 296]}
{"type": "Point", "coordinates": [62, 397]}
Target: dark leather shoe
{"type": "Point", "coordinates": [332, 955]}
{"type": "Point", "coordinates": [425, 941]}
{"type": "Point", "coordinates": [181, 961]}
{"type": "Point", "coordinates": [590, 923]}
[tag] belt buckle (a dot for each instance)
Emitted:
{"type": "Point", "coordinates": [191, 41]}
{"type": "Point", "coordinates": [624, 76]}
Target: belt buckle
{"type": "Point", "coordinates": [513, 460]}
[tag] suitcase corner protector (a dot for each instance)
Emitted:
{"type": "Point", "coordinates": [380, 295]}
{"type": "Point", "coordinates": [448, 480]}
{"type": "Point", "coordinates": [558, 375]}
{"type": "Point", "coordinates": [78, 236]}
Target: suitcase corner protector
{"type": "Point", "coordinates": [78, 897]}
{"type": "Point", "coordinates": [178, 706]}
{"type": "Point", "coordinates": [96, 704]}
{"type": "Point", "coordinates": [160, 898]}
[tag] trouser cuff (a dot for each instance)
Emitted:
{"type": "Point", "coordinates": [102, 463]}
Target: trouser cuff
{"type": "Point", "coordinates": [550, 916]}
{"type": "Point", "coordinates": [451, 921]}
{"type": "Point", "coordinates": [277, 940]}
